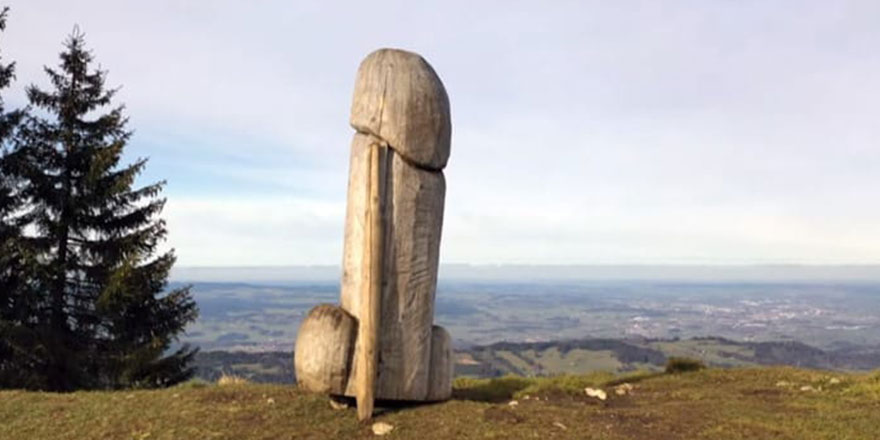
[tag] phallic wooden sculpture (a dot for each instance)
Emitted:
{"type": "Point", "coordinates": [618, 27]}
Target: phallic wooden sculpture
{"type": "Point", "coordinates": [381, 343]}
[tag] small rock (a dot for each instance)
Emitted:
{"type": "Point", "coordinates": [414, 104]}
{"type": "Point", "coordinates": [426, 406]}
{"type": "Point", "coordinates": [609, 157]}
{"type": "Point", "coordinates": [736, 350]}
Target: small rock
{"type": "Point", "coordinates": [513, 403]}
{"type": "Point", "coordinates": [560, 426]}
{"type": "Point", "coordinates": [270, 401]}
{"type": "Point", "coordinates": [623, 389]}
{"type": "Point", "coordinates": [834, 381]}
{"type": "Point", "coordinates": [335, 404]}
{"type": "Point", "coordinates": [809, 388]}
{"type": "Point", "coordinates": [595, 392]}
{"type": "Point", "coordinates": [382, 428]}
{"type": "Point", "coordinates": [783, 384]}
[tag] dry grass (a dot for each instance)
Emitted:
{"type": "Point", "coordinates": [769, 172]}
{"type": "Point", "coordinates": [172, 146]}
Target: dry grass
{"type": "Point", "coordinates": [755, 403]}
{"type": "Point", "coordinates": [231, 380]}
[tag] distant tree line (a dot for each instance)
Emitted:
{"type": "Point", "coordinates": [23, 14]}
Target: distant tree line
{"type": "Point", "coordinates": [83, 292]}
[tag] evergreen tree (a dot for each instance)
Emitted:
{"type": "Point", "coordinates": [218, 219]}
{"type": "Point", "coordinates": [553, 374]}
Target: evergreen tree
{"type": "Point", "coordinates": [18, 305]}
{"type": "Point", "coordinates": [10, 230]}
{"type": "Point", "coordinates": [108, 320]}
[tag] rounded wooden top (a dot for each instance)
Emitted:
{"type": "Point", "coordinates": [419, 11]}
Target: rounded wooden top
{"type": "Point", "coordinates": [399, 98]}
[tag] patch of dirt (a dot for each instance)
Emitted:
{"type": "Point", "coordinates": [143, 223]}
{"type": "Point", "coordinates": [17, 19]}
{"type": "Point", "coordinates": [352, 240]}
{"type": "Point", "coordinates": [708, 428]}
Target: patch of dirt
{"type": "Point", "coordinates": [559, 397]}
{"type": "Point", "coordinates": [642, 426]}
{"type": "Point", "coordinates": [502, 415]}
{"type": "Point", "coordinates": [766, 394]}
{"type": "Point", "coordinates": [229, 396]}
{"type": "Point", "coordinates": [620, 402]}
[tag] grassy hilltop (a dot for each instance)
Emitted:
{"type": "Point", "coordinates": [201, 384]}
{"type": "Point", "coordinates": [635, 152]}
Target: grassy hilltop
{"type": "Point", "coordinates": [745, 403]}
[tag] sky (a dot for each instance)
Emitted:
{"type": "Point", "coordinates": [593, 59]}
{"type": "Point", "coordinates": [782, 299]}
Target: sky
{"type": "Point", "coordinates": [584, 132]}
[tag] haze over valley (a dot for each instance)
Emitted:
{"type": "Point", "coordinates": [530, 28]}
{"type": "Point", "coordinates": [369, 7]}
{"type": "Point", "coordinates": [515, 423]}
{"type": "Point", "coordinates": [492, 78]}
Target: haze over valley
{"type": "Point", "coordinates": [833, 309]}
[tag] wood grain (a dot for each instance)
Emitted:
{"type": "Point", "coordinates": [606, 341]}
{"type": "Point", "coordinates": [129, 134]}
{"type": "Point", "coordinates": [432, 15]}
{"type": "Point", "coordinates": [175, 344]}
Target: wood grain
{"type": "Point", "coordinates": [324, 348]}
{"type": "Point", "coordinates": [414, 203]}
{"type": "Point", "coordinates": [371, 308]}
{"type": "Point", "coordinates": [399, 98]}
{"type": "Point", "coordinates": [442, 366]}
{"type": "Point", "coordinates": [393, 225]}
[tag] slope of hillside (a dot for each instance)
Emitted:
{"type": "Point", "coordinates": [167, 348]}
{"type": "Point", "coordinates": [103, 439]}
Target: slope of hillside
{"type": "Point", "coordinates": [748, 403]}
{"type": "Point", "coordinates": [621, 355]}
{"type": "Point", "coordinates": [574, 357]}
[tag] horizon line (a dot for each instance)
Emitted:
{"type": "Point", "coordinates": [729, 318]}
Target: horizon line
{"type": "Point", "coordinates": [780, 264]}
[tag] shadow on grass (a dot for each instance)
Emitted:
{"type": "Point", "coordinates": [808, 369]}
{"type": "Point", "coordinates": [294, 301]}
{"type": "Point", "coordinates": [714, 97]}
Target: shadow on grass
{"type": "Point", "coordinates": [503, 389]}
{"type": "Point", "coordinates": [383, 406]}
{"type": "Point", "coordinates": [495, 390]}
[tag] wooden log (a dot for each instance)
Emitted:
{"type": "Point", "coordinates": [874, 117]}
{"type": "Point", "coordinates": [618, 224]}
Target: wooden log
{"type": "Point", "coordinates": [324, 349]}
{"type": "Point", "coordinates": [368, 333]}
{"type": "Point", "coordinates": [399, 98]}
{"type": "Point", "coordinates": [442, 365]}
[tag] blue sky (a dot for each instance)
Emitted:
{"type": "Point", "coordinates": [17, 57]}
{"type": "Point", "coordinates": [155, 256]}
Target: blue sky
{"type": "Point", "coordinates": [628, 132]}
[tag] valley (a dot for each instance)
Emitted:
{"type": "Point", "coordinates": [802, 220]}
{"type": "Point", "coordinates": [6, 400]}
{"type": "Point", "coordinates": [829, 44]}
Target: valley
{"type": "Point", "coordinates": [540, 329]}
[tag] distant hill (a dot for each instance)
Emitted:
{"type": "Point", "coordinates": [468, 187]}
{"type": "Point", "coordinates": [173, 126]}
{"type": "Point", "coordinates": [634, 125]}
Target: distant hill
{"type": "Point", "coordinates": [576, 357]}
{"type": "Point", "coordinates": [620, 356]}
{"type": "Point", "coordinates": [265, 367]}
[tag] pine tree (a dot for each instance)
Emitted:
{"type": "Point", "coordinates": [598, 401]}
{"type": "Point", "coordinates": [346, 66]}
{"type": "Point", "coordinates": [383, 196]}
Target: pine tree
{"type": "Point", "coordinates": [18, 304]}
{"type": "Point", "coordinates": [108, 321]}
{"type": "Point", "coordinates": [10, 230]}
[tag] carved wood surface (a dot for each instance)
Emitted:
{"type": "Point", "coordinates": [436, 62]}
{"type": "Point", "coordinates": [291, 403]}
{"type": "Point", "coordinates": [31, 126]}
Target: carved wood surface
{"type": "Point", "coordinates": [393, 224]}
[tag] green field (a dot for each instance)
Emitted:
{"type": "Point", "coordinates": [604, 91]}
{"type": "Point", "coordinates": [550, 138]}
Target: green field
{"type": "Point", "coordinates": [747, 403]}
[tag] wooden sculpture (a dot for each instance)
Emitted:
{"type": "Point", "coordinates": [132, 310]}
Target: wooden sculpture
{"type": "Point", "coordinates": [381, 343]}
